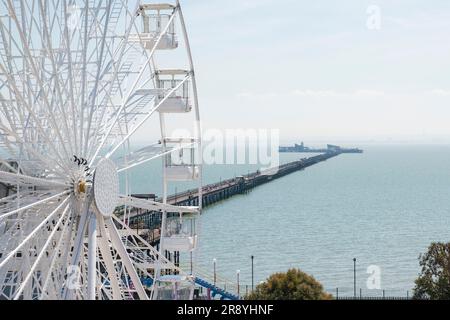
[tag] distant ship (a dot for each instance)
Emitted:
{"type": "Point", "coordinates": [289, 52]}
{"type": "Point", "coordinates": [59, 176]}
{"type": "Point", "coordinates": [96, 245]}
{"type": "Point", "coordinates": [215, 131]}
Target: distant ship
{"type": "Point", "coordinates": [330, 148]}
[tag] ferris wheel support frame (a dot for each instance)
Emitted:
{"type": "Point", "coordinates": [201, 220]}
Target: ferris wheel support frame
{"type": "Point", "coordinates": [45, 129]}
{"type": "Point", "coordinates": [92, 256]}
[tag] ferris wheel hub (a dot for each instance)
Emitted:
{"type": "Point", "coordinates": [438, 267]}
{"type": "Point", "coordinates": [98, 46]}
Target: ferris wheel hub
{"type": "Point", "coordinates": [80, 188]}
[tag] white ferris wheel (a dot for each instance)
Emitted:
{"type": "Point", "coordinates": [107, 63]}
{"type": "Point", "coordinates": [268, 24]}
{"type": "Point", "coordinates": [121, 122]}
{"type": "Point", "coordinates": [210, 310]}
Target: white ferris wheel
{"type": "Point", "coordinates": [78, 81]}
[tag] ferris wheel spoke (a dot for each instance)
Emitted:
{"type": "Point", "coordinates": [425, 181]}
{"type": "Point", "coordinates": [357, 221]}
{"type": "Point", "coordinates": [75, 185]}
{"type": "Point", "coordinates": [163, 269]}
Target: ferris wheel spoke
{"type": "Point", "coordinates": [129, 166]}
{"type": "Point", "coordinates": [56, 72]}
{"type": "Point", "coordinates": [85, 36]}
{"type": "Point", "coordinates": [45, 134]}
{"type": "Point", "coordinates": [50, 162]}
{"type": "Point", "coordinates": [14, 198]}
{"type": "Point", "coordinates": [70, 80]}
{"type": "Point", "coordinates": [78, 244]}
{"type": "Point", "coordinates": [139, 243]}
{"type": "Point", "coordinates": [104, 246]}
{"type": "Point", "coordinates": [58, 269]}
{"type": "Point", "coordinates": [24, 180]}
{"type": "Point", "coordinates": [42, 252]}
{"type": "Point", "coordinates": [7, 165]}
{"type": "Point", "coordinates": [150, 113]}
{"type": "Point", "coordinates": [134, 86]}
{"type": "Point", "coordinates": [93, 93]}
{"type": "Point", "coordinates": [33, 233]}
{"type": "Point", "coordinates": [10, 149]}
{"type": "Point", "coordinates": [35, 72]}
{"type": "Point", "coordinates": [138, 156]}
{"type": "Point", "coordinates": [34, 204]}
{"type": "Point", "coordinates": [21, 198]}
{"type": "Point", "coordinates": [155, 206]}
{"type": "Point", "coordinates": [95, 57]}
{"type": "Point", "coordinates": [58, 260]}
{"type": "Point", "coordinates": [119, 246]}
{"type": "Point", "coordinates": [108, 102]}
{"type": "Point", "coordinates": [27, 198]}
{"type": "Point", "coordinates": [13, 116]}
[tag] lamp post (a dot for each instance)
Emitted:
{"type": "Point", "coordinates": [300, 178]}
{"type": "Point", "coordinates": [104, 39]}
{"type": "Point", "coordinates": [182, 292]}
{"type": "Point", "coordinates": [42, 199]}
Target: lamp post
{"type": "Point", "coordinates": [354, 277]}
{"type": "Point", "coordinates": [253, 274]}
{"type": "Point", "coordinates": [214, 264]}
{"type": "Point", "coordinates": [192, 264]}
{"type": "Point", "coordinates": [238, 282]}
{"type": "Point", "coordinates": [176, 195]}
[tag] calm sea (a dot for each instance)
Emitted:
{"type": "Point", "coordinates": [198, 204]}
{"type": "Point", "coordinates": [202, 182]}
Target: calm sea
{"type": "Point", "coordinates": [383, 208]}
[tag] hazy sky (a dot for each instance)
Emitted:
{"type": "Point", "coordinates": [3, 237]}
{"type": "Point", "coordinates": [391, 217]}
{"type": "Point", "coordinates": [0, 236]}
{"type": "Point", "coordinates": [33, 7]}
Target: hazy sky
{"type": "Point", "coordinates": [313, 69]}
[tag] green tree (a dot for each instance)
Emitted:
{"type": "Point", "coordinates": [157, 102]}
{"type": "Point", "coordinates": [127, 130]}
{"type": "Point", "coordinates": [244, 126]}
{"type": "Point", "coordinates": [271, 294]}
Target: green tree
{"type": "Point", "coordinates": [434, 280]}
{"type": "Point", "coordinates": [292, 285]}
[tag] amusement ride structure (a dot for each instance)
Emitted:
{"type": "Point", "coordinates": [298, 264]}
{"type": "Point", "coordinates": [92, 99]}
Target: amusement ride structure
{"type": "Point", "coordinates": [78, 81]}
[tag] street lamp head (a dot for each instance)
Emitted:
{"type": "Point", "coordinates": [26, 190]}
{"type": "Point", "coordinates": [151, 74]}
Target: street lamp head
{"type": "Point", "coordinates": [238, 271]}
{"type": "Point", "coordinates": [214, 260]}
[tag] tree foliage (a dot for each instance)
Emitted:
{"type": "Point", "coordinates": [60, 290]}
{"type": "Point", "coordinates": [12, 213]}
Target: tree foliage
{"type": "Point", "coordinates": [292, 285]}
{"type": "Point", "coordinates": [434, 280]}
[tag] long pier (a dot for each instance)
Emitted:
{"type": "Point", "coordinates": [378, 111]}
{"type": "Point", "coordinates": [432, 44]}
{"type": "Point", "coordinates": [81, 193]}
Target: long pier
{"type": "Point", "coordinates": [150, 222]}
{"type": "Point", "coordinates": [217, 192]}
{"type": "Point", "coordinates": [330, 148]}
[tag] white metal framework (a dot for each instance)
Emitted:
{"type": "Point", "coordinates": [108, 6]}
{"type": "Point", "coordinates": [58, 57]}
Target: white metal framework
{"type": "Point", "coordinates": [78, 80]}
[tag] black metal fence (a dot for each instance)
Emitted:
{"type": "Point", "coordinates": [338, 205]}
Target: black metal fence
{"type": "Point", "coordinates": [381, 294]}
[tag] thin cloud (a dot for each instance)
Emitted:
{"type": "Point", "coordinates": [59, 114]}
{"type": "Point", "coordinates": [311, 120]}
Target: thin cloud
{"type": "Point", "coordinates": [248, 95]}
{"type": "Point", "coordinates": [316, 93]}
{"type": "Point", "coordinates": [342, 94]}
{"type": "Point", "coordinates": [421, 21]}
{"type": "Point", "coordinates": [257, 96]}
{"type": "Point", "coordinates": [440, 92]}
